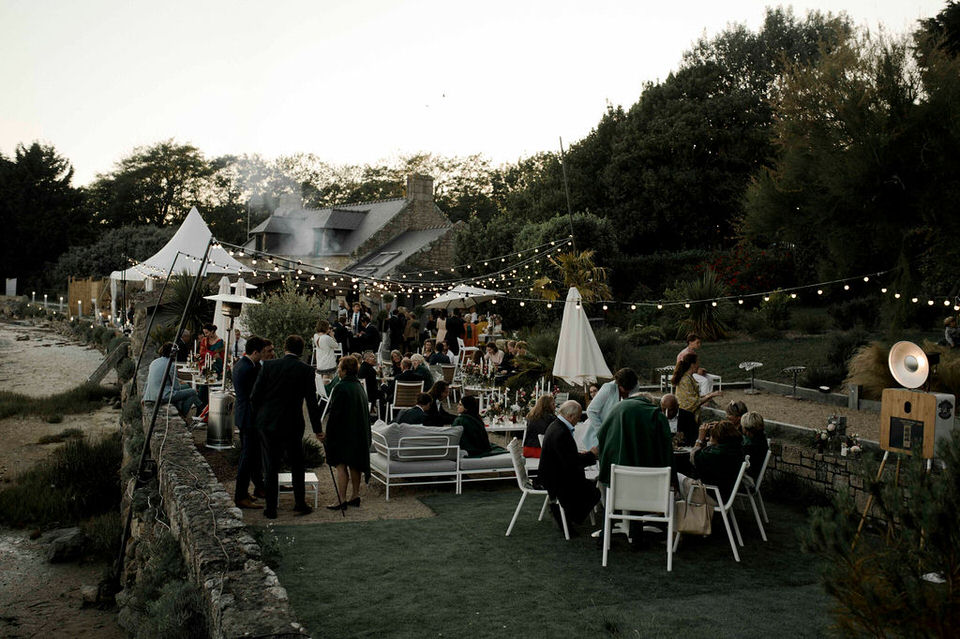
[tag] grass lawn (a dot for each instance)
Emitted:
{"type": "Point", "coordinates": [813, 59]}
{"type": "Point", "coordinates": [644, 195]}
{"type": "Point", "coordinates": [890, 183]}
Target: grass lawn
{"type": "Point", "coordinates": [457, 575]}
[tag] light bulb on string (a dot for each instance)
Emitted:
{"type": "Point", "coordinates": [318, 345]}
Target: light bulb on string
{"type": "Point", "coordinates": [549, 305]}
{"type": "Point", "coordinates": [659, 307]}
{"type": "Point", "coordinates": [819, 291]}
{"type": "Point", "coordinates": [687, 305]}
{"type": "Point", "coordinates": [604, 307]}
{"type": "Point", "coordinates": [929, 302]}
{"type": "Point", "coordinates": [914, 300]}
{"type": "Point", "coordinates": [883, 290]}
{"type": "Point", "coordinates": [896, 295]}
{"type": "Point", "coordinates": [633, 307]}
{"type": "Point", "coordinates": [846, 287]}
{"type": "Point", "coordinates": [713, 303]}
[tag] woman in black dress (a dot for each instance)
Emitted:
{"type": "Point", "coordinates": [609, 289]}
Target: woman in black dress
{"type": "Point", "coordinates": [540, 416]}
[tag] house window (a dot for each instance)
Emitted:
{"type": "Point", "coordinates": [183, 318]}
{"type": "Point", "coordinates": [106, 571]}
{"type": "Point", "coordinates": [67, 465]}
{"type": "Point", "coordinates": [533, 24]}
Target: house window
{"type": "Point", "coordinates": [383, 259]}
{"type": "Point", "coordinates": [328, 240]}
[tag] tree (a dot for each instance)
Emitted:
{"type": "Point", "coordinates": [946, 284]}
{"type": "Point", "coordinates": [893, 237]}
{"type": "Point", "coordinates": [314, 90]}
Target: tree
{"type": "Point", "coordinates": [573, 269]}
{"type": "Point", "coordinates": [40, 211]}
{"type": "Point", "coordinates": [111, 252]}
{"type": "Point", "coordinates": [154, 185]}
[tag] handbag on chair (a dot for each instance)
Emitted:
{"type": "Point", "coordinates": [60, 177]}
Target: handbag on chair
{"type": "Point", "coordinates": [694, 515]}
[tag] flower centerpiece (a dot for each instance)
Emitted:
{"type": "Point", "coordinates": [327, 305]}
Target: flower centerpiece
{"type": "Point", "coordinates": [833, 438]}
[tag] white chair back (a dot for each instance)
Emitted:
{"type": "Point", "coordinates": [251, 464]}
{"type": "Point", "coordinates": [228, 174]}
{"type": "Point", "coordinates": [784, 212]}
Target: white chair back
{"type": "Point", "coordinates": [405, 394]}
{"type": "Point", "coordinates": [519, 463]}
{"type": "Point", "coordinates": [639, 489]}
{"type": "Point", "coordinates": [763, 469]}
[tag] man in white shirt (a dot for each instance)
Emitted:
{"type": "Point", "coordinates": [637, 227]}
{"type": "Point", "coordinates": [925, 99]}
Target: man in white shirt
{"type": "Point", "coordinates": [701, 376]}
{"type": "Point", "coordinates": [624, 384]}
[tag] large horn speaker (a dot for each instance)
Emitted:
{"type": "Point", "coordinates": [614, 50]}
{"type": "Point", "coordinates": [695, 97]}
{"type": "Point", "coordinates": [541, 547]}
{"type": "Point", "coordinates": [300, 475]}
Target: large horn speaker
{"type": "Point", "coordinates": [909, 364]}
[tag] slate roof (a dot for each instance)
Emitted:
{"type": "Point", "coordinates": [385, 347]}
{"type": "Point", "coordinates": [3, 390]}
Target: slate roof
{"type": "Point", "coordinates": [383, 260]}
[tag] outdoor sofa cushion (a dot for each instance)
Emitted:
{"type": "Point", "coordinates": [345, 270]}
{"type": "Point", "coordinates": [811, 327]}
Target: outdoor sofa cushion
{"type": "Point", "coordinates": [379, 463]}
{"type": "Point", "coordinates": [493, 462]}
{"type": "Point", "coordinates": [440, 436]}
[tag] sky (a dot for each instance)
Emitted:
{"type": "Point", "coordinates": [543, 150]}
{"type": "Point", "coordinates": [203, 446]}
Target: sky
{"type": "Point", "coordinates": [353, 81]}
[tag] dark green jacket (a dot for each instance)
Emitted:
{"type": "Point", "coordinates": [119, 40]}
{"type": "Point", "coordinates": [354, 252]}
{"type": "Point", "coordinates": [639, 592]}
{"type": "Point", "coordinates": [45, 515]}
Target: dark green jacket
{"type": "Point", "coordinates": [348, 426]}
{"type": "Point", "coordinates": [635, 433]}
{"type": "Point", "coordinates": [719, 464]}
{"type": "Point", "coordinates": [757, 449]}
{"type": "Point", "coordinates": [474, 439]}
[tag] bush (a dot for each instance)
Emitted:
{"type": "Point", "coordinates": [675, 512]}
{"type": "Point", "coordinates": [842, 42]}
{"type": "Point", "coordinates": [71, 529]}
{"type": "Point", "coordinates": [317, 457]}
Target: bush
{"type": "Point", "coordinates": [810, 323]}
{"type": "Point", "coordinates": [79, 480]}
{"type": "Point", "coordinates": [62, 436]}
{"type": "Point", "coordinates": [704, 316]}
{"type": "Point", "coordinates": [861, 311]}
{"type": "Point", "coordinates": [822, 375]}
{"type": "Point", "coordinates": [284, 313]}
{"type": "Point", "coordinates": [646, 335]}
{"type": "Point", "coordinates": [775, 309]}
{"type": "Point", "coordinates": [313, 456]}
{"type": "Point", "coordinates": [103, 534]}
{"type": "Point", "coordinates": [753, 322]}
{"type": "Point", "coordinates": [81, 399]}
{"type": "Point", "coordinates": [125, 369]}
{"type": "Point", "coordinates": [842, 347]}
{"type": "Point", "coordinates": [868, 369]}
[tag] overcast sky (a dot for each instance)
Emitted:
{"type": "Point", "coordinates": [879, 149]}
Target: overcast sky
{"type": "Point", "coordinates": [354, 81]}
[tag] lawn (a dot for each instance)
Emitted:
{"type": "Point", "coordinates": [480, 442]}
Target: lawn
{"type": "Point", "coordinates": [457, 575]}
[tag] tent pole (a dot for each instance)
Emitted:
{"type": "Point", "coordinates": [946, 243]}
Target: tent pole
{"type": "Point", "coordinates": [153, 316]}
{"type": "Point", "coordinates": [153, 418]}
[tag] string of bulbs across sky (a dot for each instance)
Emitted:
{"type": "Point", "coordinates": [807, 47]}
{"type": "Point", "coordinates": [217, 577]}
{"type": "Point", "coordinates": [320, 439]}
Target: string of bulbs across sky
{"type": "Point", "coordinates": [514, 279]}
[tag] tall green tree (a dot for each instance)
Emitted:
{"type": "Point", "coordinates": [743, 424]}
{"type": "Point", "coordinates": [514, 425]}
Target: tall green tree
{"type": "Point", "coordinates": [40, 211]}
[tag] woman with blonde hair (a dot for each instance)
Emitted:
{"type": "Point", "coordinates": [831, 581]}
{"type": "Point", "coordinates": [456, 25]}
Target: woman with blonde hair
{"type": "Point", "coordinates": [755, 442]}
{"type": "Point", "coordinates": [735, 411]}
{"type": "Point", "coordinates": [540, 416]}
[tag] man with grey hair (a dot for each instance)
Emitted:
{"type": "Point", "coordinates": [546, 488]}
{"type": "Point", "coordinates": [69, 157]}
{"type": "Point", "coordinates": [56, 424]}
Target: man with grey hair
{"type": "Point", "coordinates": [561, 466]}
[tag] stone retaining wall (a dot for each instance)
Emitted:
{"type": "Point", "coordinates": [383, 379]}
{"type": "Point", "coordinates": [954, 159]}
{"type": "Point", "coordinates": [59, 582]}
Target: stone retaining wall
{"type": "Point", "coordinates": [242, 596]}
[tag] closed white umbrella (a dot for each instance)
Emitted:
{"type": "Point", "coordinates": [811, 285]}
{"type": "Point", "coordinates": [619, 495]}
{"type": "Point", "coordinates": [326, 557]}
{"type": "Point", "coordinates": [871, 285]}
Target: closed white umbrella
{"type": "Point", "coordinates": [219, 319]}
{"type": "Point", "coordinates": [462, 296]}
{"type": "Point", "coordinates": [579, 360]}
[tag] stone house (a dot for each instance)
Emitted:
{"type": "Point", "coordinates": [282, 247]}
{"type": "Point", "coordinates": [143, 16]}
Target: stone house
{"type": "Point", "coordinates": [369, 238]}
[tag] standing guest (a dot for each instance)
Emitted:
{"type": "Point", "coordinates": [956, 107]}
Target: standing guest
{"type": "Point", "coordinates": [396, 323]}
{"type": "Point", "coordinates": [754, 442]}
{"type": "Point", "coordinates": [419, 365]}
{"type": "Point", "coordinates": [441, 356]}
{"type": "Point", "coordinates": [482, 325]}
{"type": "Point", "coordinates": [680, 420]}
{"type": "Point", "coordinates": [539, 418]}
{"type": "Point", "coordinates": [735, 411]}
{"type": "Point", "coordinates": [348, 433]}
{"type": "Point", "coordinates": [410, 331]}
{"type": "Point", "coordinates": [355, 317]}
{"type": "Point", "coordinates": [561, 467]}
{"type": "Point", "coordinates": [432, 322]}
{"type": "Point", "coordinates": [184, 345]}
{"type": "Point", "coordinates": [687, 389]}
{"type": "Point", "coordinates": [268, 351]}
{"type": "Point", "coordinates": [368, 373]}
{"type": "Point", "coordinates": [624, 384]}
{"type": "Point", "coordinates": [436, 415]}
{"type": "Point", "coordinates": [700, 375]}
{"type": "Point", "coordinates": [182, 396]}
{"type": "Point", "coordinates": [341, 333]}
{"type": "Point", "coordinates": [474, 439]}
{"type": "Point", "coordinates": [369, 335]}
{"type": "Point", "coordinates": [455, 331]}
{"type": "Point", "coordinates": [282, 387]}
{"type": "Point", "coordinates": [416, 414]}
{"type": "Point", "coordinates": [325, 349]}
{"type": "Point", "coordinates": [131, 313]}
{"type": "Point", "coordinates": [496, 325]}
{"type": "Point", "coordinates": [245, 372]}
{"type": "Point", "coordinates": [951, 334]}
{"type": "Point", "coordinates": [442, 325]}
{"type": "Point", "coordinates": [212, 344]}
{"type": "Point", "coordinates": [239, 346]}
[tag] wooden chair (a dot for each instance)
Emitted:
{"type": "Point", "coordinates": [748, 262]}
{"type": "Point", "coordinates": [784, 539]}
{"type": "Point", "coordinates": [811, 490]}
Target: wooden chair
{"type": "Point", "coordinates": [404, 396]}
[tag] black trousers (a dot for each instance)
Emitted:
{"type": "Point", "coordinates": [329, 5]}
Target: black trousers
{"type": "Point", "coordinates": [275, 444]}
{"type": "Point", "coordinates": [251, 464]}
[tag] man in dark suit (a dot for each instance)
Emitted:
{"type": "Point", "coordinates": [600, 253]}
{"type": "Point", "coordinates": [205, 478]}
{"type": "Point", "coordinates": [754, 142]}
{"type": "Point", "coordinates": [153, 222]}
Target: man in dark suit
{"type": "Point", "coordinates": [441, 355]}
{"type": "Point", "coordinates": [397, 323]}
{"type": "Point", "coordinates": [455, 329]}
{"type": "Point", "coordinates": [245, 373]}
{"type": "Point", "coordinates": [369, 335]}
{"type": "Point", "coordinates": [277, 399]}
{"type": "Point", "coordinates": [368, 373]}
{"type": "Point", "coordinates": [561, 466]}
{"type": "Point", "coordinates": [681, 421]}
{"type": "Point", "coordinates": [341, 333]}
{"type": "Point", "coordinates": [417, 414]}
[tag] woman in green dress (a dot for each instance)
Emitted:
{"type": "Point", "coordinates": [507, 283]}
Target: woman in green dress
{"type": "Point", "coordinates": [347, 436]}
{"type": "Point", "coordinates": [474, 439]}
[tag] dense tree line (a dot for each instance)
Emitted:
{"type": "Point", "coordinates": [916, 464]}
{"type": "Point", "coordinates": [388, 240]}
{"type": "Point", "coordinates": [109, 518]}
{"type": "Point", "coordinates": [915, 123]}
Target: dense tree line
{"type": "Point", "coordinates": [806, 148]}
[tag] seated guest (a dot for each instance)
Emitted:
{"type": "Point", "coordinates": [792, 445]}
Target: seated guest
{"type": "Point", "coordinates": [407, 374]}
{"type": "Point", "coordinates": [441, 356]}
{"type": "Point", "coordinates": [428, 349]}
{"type": "Point", "coordinates": [540, 416]}
{"type": "Point", "coordinates": [634, 433]}
{"type": "Point", "coordinates": [561, 467]}
{"type": "Point", "coordinates": [735, 410]}
{"type": "Point", "coordinates": [368, 373]}
{"type": "Point", "coordinates": [680, 421]}
{"type": "Point", "coordinates": [419, 365]}
{"type": "Point", "coordinates": [717, 462]}
{"type": "Point", "coordinates": [395, 358]}
{"type": "Point", "coordinates": [509, 362]}
{"type": "Point", "coordinates": [482, 326]}
{"type": "Point", "coordinates": [474, 439]}
{"type": "Point", "coordinates": [183, 345]}
{"type": "Point", "coordinates": [521, 349]}
{"type": "Point", "coordinates": [687, 388]}
{"type": "Point", "coordinates": [437, 416]}
{"type": "Point", "coordinates": [212, 345]}
{"type": "Point", "coordinates": [494, 355]}
{"type": "Point", "coordinates": [754, 442]}
{"type": "Point", "coordinates": [182, 396]}
{"type": "Point", "coordinates": [416, 414]}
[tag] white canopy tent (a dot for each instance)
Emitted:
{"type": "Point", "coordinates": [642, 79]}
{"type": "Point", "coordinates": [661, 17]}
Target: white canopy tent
{"type": "Point", "coordinates": [579, 360]}
{"type": "Point", "coordinates": [462, 296]}
{"type": "Point", "coordinates": [190, 241]}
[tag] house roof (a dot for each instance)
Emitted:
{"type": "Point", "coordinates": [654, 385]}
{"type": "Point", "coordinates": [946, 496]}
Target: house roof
{"type": "Point", "coordinates": [383, 260]}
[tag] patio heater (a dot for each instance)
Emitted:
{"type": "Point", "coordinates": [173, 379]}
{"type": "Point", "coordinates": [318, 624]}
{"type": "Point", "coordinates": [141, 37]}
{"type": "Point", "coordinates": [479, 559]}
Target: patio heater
{"type": "Point", "coordinates": [220, 416]}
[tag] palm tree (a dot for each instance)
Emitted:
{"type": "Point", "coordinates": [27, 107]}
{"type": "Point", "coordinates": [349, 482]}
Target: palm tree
{"type": "Point", "coordinates": [578, 269]}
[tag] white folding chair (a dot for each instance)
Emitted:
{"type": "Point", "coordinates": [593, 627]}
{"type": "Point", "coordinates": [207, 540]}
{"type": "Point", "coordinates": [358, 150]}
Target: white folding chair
{"type": "Point", "coordinates": [725, 508]}
{"type": "Point", "coordinates": [464, 350]}
{"type": "Point", "coordinates": [404, 396]}
{"type": "Point", "coordinates": [750, 489]}
{"type": "Point", "coordinates": [526, 488]}
{"type": "Point", "coordinates": [645, 491]}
